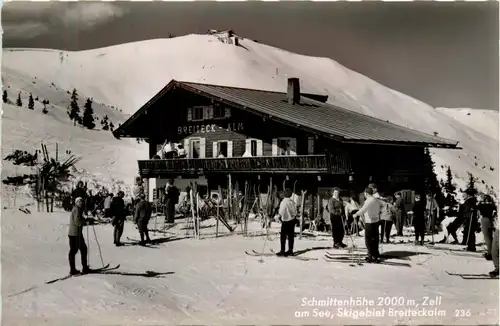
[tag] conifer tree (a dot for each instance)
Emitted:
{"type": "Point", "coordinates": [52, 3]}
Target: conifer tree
{"type": "Point", "coordinates": [111, 126]}
{"type": "Point", "coordinates": [4, 96]}
{"type": "Point", "coordinates": [431, 182]}
{"type": "Point", "coordinates": [88, 118]}
{"type": "Point", "coordinates": [104, 123]}
{"type": "Point", "coordinates": [471, 189]}
{"type": "Point", "coordinates": [74, 110]}
{"type": "Point", "coordinates": [19, 102]}
{"type": "Point", "coordinates": [31, 103]}
{"type": "Point", "coordinates": [450, 188]}
{"type": "Point", "coordinates": [45, 102]}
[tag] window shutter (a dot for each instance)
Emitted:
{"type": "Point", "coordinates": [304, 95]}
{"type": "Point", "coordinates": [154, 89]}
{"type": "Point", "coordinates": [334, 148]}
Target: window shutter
{"type": "Point", "coordinates": [275, 147]}
{"type": "Point", "coordinates": [214, 149]}
{"type": "Point", "coordinates": [293, 146]}
{"type": "Point", "coordinates": [227, 112]}
{"type": "Point", "coordinates": [230, 148]}
{"type": "Point", "coordinates": [248, 146]}
{"type": "Point", "coordinates": [259, 147]}
{"type": "Point", "coordinates": [310, 145]}
{"type": "Point", "coordinates": [210, 110]}
{"type": "Point", "coordinates": [186, 146]}
{"type": "Point", "coordinates": [190, 114]}
{"type": "Point", "coordinates": [203, 146]}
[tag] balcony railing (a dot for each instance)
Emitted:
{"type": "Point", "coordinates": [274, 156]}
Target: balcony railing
{"type": "Point", "coordinates": [275, 164]}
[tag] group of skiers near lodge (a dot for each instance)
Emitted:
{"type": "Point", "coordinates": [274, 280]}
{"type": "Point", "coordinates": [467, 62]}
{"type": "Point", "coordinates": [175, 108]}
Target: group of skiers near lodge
{"type": "Point", "coordinates": [376, 216]}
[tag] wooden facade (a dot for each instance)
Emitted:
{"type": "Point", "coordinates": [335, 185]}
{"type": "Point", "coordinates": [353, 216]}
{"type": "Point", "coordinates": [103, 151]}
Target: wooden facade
{"type": "Point", "coordinates": [223, 139]}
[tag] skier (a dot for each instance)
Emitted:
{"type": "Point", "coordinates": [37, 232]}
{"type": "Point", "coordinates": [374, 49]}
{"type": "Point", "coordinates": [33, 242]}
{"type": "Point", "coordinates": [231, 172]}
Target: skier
{"type": "Point", "coordinates": [400, 208]}
{"type": "Point", "coordinates": [171, 198]}
{"type": "Point", "coordinates": [76, 239]}
{"type": "Point", "coordinates": [387, 218]}
{"type": "Point", "coordinates": [469, 212]}
{"type": "Point", "coordinates": [432, 212]}
{"type": "Point", "coordinates": [487, 209]}
{"type": "Point", "coordinates": [370, 211]}
{"type": "Point", "coordinates": [117, 208]}
{"type": "Point", "coordinates": [138, 190]}
{"type": "Point", "coordinates": [141, 218]}
{"type": "Point", "coordinates": [79, 192]}
{"type": "Point", "coordinates": [418, 210]}
{"type": "Point", "coordinates": [337, 218]}
{"type": "Point", "coordinates": [107, 205]}
{"type": "Point", "coordinates": [351, 207]}
{"type": "Point", "coordinates": [287, 215]}
{"type": "Point", "coordinates": [494, 249]}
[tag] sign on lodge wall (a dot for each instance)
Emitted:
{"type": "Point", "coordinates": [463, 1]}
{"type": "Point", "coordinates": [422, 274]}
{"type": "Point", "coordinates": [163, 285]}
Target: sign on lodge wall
{"type": "Point", "coordinates": [207, 128]}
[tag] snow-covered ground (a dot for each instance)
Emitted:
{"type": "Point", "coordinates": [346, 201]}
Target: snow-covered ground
{"type": "Point", "coordinates": [128, 75]}
{"type": "Point", "coordinates": [213, 281]}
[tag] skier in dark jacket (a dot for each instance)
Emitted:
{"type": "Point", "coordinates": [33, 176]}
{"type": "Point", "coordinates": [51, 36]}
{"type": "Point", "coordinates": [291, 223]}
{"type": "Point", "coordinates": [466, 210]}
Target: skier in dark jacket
{"type": "Point", "coordinates": [419, 219]}
{"type": "Point", "coordinates": [119, 215]}
{"type": "Point", "coordinates": [171, 198]}
{"type": "Point", "coordinates": [336, 210]}
{"type": "Point", "coordinates": [79, 192]}
{"type": "Point", "coordinates": [141, 218]}
{"type": "Point", "coordinates": [400, 210]}
{"type": "Point", "coordinates": [469, 212]}
{"type": "Point", "coordinates": [76, 239]}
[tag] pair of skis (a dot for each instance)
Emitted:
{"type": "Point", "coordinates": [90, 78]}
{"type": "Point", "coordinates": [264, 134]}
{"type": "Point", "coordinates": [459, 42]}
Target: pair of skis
{"type": "Point", "coordinates": [357, 259]}
{"type": "Point", "coordinates": [92, 271]}
{"type": "Point", "coordinates": [273, 254]}
{"type": "Point", "coordinates": [466, 276]}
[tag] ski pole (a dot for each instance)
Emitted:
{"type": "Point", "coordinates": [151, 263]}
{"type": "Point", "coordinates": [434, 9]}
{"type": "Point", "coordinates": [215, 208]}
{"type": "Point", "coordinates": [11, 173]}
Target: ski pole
{"type": "Point", "coordinates": [88, 248]}
{"type": "Point", "coordinates": [98, 245]}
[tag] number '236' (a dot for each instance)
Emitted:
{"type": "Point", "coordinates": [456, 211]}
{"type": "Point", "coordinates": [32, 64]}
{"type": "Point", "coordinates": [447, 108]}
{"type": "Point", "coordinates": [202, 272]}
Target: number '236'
{"type": "Point", "coordinates": [462, 313]}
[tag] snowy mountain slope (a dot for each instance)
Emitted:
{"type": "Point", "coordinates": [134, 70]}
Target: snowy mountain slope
{"type": "Point", "coordinates": [104, 158]}
{"type": "Point", "coordinates": [128, 75]}
{"type": "Point", "coordinates": [483, 121]}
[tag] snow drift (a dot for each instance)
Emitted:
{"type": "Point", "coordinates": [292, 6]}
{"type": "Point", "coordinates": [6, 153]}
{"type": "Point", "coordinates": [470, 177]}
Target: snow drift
{"type": "Point", "coordinates": [128, 75]}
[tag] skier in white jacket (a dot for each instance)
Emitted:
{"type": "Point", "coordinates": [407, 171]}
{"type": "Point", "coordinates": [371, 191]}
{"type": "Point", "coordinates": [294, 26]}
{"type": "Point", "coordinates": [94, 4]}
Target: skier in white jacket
{"type": "Point", "coordinates": [287, 215]}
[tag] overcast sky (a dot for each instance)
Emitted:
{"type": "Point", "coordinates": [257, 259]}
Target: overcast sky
{"type": "Point", "coordinates": [445, 54]}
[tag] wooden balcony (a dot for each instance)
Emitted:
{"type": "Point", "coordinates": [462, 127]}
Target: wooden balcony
{"type": "Point", "coordinates": [271, 164]}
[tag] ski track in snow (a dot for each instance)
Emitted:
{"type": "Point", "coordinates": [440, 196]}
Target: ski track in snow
{"type": "Point", "coordinates": [213, 281]}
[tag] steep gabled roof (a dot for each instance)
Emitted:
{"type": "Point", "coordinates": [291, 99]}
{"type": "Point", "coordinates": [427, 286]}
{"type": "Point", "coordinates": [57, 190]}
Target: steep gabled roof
{"type": "Point", "coordinates": [332, 121]}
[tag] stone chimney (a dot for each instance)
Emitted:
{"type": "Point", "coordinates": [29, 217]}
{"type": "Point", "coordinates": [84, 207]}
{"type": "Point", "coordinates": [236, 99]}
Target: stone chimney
{"type": "Point", "coordinates": [293, 91]}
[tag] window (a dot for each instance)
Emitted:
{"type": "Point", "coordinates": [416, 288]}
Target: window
{"type": "Point", "coordinates": [284, 146]}
{"type": "Point", "coordinates": [197, 113]}
{"type": "Point", "coordinates": [222, 148]}
{"type": "Point", "coordinates": [219, 111]}
{"type": "Point", "coordinates": [194, 148]}
{"type": "Point", "coordinates": [253, 147]}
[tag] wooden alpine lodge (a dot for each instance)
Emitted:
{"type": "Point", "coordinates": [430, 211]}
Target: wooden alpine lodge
{"type": "Point", "coordinates": [236, 135]}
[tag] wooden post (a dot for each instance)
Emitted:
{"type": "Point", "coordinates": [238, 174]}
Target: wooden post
{"type": "Point", "coordinates": [191, 199]}
{"type": "Point", "coordinates": [230, 197]}
{"type": "Point", "coordinates": [198, 220]}
{"type": "Point", "coordinates": [218, 211]}
{"type": "Point", "coordinates": [57, 152]}
{"type": "Point", "coordinates": [302, 212]}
